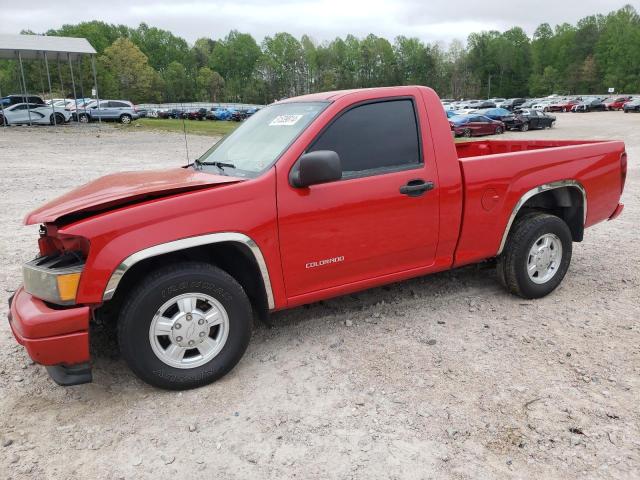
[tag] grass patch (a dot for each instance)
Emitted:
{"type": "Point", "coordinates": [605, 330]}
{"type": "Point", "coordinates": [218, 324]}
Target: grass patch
{"type": "Point", "coordinates": [193, 127]}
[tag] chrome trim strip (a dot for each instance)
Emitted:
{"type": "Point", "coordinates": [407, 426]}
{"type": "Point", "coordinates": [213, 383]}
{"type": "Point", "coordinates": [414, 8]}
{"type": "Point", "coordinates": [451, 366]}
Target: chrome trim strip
{"type": "Point", "coordinates": [190, 242]}
{"type": "Point", "coordinates": [535, 191]}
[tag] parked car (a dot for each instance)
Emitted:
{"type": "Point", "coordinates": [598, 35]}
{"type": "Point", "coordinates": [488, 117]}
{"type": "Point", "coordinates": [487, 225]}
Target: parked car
{"type": "Point", "coordinates": [473, 125]}
{"type": "Point", "coordinates": [615, 103]}
{"type": "Point", "coordinates": [240, 115]}
{"type": "Point", "coordinates": [589, 105]}
{"type": "Point", "coordinates": [121, 111]}
{"type": "Point", "coordinates": [195, 114]}
{"type": "Point", "coordinates": [220, 113]}
{"type": "Point", "coordinates": [563, 105]}
{"type": "Point", "coordinates": [632, 106]}
{"type": "Point", "coordinates": [534, 119]}
{"type": "Point", "coordinates": [309, 199]}
{"type": "Point", "coordinates": [15, 99]}
{"type": "Point", "coordinates": [542, 106]}
{"type": "Point", "coordinates": [511, 103]}
{"type": "Point", "coordinates": [35, 113]}
{"type": "Point", "coordinates": [510, 120]}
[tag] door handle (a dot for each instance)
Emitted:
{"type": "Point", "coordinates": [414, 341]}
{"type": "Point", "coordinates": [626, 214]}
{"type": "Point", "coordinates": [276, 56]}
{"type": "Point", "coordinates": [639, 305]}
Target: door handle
{"type": "Point", "coordinates": [417, 187]}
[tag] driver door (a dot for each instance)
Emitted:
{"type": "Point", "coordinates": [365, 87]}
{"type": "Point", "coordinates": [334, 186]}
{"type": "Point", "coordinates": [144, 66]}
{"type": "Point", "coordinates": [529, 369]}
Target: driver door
{"type": "Point", "coordinates": [363, 226]}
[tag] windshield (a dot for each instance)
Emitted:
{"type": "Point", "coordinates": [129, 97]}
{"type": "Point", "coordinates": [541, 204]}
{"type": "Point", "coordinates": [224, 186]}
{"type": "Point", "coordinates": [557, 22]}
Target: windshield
{"type": "Point", "coordinates": [261, 139]}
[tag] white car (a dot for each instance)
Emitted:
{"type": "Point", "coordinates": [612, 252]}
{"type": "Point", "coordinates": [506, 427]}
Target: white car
{"type": "Point", "coordinates": [34, 113]}
{"type": "Point", "coordinates": [542, 106]}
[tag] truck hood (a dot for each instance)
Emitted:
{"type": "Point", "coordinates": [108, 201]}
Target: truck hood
{"type": "Point", "coordinates": [126, 187]}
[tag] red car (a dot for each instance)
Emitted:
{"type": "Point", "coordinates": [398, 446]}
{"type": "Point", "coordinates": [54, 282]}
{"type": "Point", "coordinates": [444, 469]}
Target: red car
{"type": "Point", "coordinates": [311, 198]}
{"type": "Point", "coordinates": [616, 103]}
{"type": "Point", "coordinates": [474, 125]}
{"type": "Point", "coordinates": [561, 106]}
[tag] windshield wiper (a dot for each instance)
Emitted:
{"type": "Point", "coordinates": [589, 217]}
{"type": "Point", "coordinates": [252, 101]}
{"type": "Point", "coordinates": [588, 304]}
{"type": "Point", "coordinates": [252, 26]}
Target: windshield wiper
{"type": "Point", "coordinates": [221, 165]}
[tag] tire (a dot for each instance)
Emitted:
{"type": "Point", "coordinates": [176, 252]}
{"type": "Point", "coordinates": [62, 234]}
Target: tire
{"type": "Point", "coordinates": [57, 119]}
{"type": "Point", "coordinates": [3, 122]}
{"type": "Point", "coordinates": [499, 131]}
{"type": "Point", "coordinates": [524, 127]}
{"type": "Point", "coordinates": [532, 229]}
{"type": "Point", "coordinates": [84, 118]}
{"type": "Point", "coordinates": [466, 133]}
{"type": "Point", "coordinates": [147, 352]}
{"type": "Point", "coordinates": [125, 119]}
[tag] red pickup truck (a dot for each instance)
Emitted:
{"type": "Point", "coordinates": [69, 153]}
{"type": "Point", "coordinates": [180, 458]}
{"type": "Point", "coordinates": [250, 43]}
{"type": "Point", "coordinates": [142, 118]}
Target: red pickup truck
{"type": "Point", "coordinates": [312, 197]}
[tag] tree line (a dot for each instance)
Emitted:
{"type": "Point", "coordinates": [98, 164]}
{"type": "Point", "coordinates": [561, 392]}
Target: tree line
{"type": "Point", "coordinates": [148, 64]}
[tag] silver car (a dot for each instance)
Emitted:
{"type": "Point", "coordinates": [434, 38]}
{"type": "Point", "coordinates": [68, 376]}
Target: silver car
{"type": "Point", "coordinates": [121, 111]}
{"type": "Point", "coordinates": [21, 113]}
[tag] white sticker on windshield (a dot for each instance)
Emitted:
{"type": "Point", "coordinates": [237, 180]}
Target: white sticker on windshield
{"type": "Point", "coordinates": [285, 120]}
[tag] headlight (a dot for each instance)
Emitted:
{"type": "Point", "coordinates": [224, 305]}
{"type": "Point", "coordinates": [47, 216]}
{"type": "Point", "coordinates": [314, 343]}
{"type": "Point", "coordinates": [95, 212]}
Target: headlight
{"type": "Point", "coordinates": [54, 278]}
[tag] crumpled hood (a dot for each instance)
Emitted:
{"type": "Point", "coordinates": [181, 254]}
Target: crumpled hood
{"type": "Point", "coordinates": [119, 188]}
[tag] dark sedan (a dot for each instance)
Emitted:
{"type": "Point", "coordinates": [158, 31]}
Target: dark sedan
{"type": "Point", "coordinates": [510, 120]}
{"type": "Point", "coordinates": [534, 119]}
{"type": "Point", "coordinates": [589, 105]}
{"type": "Point", "coordinates": [474, 125]}
{"type": "Point", "coordinates": [632, 106]}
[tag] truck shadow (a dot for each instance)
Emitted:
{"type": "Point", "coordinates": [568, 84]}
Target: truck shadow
{"type": "Point", "coordinates": [478, 279]}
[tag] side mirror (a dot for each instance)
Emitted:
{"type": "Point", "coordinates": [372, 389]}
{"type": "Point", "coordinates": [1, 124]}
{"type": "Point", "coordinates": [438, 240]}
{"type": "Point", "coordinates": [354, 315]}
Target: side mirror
{"type": "Point", "coordinates": [317, 167]}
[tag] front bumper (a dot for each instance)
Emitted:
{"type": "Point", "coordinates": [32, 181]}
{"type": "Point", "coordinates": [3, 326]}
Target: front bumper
{"type": "Point", "coordinates": [55, 337]}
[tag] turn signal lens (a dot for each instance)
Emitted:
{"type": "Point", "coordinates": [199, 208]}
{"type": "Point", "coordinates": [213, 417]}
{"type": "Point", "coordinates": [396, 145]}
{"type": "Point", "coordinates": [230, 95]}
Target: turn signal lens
{"type": "Point", "coordinates": [68, 286]}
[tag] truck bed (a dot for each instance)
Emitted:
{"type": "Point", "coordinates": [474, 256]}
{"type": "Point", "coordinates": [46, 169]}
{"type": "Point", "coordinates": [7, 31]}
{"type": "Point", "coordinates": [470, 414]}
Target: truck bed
{"type": "Point", "coordinates": [496, 174]}
{"type": "Point", "coordinates": [493, 147]}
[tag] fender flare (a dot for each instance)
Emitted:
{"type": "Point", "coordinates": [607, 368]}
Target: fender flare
{"type": "Point", "coordinates": [537, 190]}
{"type": "Point", "coordinates": [183, 244]}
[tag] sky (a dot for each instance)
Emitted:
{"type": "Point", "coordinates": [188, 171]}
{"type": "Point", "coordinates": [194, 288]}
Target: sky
{"type": "Point", "coordinates": [429, 20]}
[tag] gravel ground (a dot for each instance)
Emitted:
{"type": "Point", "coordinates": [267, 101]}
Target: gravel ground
{"type": "Point", "coordinates": [445, 376]}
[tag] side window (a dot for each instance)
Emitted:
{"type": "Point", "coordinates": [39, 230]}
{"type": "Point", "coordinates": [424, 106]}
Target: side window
{"type": "Point", "coordinates": [374, 136]}
{"type": "Point", "coordinates": [119, 104]}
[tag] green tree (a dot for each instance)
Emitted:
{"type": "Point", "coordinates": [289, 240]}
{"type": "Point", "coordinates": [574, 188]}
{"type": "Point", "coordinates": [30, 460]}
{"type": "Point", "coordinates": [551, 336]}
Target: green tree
{"type": "Point", "coordinates": [177, 85]}
{"type": "Point", "coordinates": [127, 73]}
{"type": "Point", "coordinates": [210, 85]}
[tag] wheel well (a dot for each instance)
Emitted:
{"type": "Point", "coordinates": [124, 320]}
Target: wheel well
{"type": "Point", "coordinates": [234, 258]}
{"type": "Point", "coordinates": [566, 203]}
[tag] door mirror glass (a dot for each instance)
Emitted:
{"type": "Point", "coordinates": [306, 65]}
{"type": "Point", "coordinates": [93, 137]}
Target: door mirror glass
{"type": "Point", "coordinates": [321, 166]}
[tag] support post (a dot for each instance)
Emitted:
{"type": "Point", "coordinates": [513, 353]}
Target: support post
{"type": "Point", "coordinates": [24, 88]}
{"type": "Point", "coordinates": [95, 85]}
{"type": "Point", "coordinates": [53, 107]}
{"type": "Point", "coordinates": [4, 123]}
{"type": "Point", "coordinates": [73, 86]}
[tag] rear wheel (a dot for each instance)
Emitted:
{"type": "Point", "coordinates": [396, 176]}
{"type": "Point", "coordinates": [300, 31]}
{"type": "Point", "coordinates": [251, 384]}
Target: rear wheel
{"type": "Point", "coordinates": [84, 118]}
{"type": "Point", "coordinates": [536, 256]}
{"type": "Point", "coordinates": [524, 127]}
{"type": "Point", "coordinates": [125, 119]}
{"type": "Point", "coordinates": [499, 130]}
{"type": "Point", "coordinates": [57, 119]}
{"type": "Point", "coordinates": [185, 326]}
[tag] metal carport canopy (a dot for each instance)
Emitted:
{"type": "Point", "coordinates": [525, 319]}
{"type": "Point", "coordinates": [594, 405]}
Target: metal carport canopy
{"type": "Point", "coordinates": [32, 46]}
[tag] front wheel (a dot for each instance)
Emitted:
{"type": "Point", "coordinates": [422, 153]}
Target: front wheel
{"type": "Point", "coordinates": [125, 119]}
{"type": "Point", "coordinates": [524, 127]}
{"type": "Point", "coordinates": [466, 133]}
{"type": "Point", "coordinates": [185, 326]}
{"type": "Point", "coordinates": [536, 256]}
{"type": "Point", "coordinates": [499, 130]}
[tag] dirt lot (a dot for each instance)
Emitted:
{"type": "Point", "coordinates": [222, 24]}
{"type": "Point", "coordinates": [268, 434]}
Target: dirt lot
{"type": "Point", "coordinates": [440, 377]}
